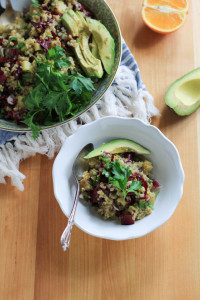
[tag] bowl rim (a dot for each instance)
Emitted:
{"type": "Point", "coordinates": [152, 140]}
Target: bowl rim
{"type": "Point", "coordinates": [179, 166]}
{"type": "Point", "coordinates": [24, 129]}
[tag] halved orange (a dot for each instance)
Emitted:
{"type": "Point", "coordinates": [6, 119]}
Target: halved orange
{"type": "Point", "coordinates": [164, 16]}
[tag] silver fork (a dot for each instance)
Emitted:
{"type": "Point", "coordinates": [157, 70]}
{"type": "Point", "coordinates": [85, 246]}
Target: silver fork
{"type": "Point", "coordinates": [80, 165]}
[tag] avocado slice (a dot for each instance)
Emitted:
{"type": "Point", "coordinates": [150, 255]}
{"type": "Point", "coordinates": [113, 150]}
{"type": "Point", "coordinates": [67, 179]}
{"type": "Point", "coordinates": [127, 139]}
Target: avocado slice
{"type": "Point", "coordinates": [118, 146]}
{"type": "Point", "coordinates": [94, 49]}
{"type": "Point", "coordinates": [183, 96]}
{"type": "Point", "coordinates": [77, 26]}
{"type": "Point", "coordinates": [105, 43]}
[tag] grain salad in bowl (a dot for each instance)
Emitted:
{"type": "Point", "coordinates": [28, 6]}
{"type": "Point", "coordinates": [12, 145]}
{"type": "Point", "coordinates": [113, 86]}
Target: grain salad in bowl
{"type": "Point", "coordinates": [51, 60]}
{"type": "Point", "coordinates": [167, 170]}
{"type": "Point", "coordinates": [119, 183]}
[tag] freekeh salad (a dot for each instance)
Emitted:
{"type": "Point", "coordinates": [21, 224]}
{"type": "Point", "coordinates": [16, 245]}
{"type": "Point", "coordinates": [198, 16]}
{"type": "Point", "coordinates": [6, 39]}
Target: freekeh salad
{"type": "Point", "coordinates": [50, 58]}
{"type": "Point", "coordinates": [119, 183]}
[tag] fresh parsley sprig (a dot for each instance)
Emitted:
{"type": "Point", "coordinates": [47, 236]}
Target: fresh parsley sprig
{"type": "Point", "coordinates": [118, 175]}
{"type": "Point", "coordinates": [56, 95]}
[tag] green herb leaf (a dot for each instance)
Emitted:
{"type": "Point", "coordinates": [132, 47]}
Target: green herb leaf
{"type": "Point", "coordinates": [35, 128]}
{"type": "Point", "coordinates": [118, 174]}
{"type": "Point", "coordinates": [56, 96]}
{"type": "Point", "coordinates": [135, 185]}
{"type": "Point", "coordinates": [57, 54]}
{"type": "Point", "coordinates": [12, 39]}
{"type": "Point", "coordinates": [26, 34]}
{"type": "Point", "coordinates": [85, 198]}
{"type": "Point", "coordinates": [19, 46]}
{"type": "Point", "coordinates": [106, 173]}
{"type": "Point", "coordinates": [36, 3]}
{"type": "Point", "coordinates": [107, 161]}
{"type": "Point", "coordinates": [144, 204]}
{"type": "Point", "coordinates": [150, 181]}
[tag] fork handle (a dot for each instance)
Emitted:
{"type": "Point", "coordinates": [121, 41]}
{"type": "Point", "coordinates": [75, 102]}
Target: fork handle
{"type": "Point", "coordinates": [65, 237]}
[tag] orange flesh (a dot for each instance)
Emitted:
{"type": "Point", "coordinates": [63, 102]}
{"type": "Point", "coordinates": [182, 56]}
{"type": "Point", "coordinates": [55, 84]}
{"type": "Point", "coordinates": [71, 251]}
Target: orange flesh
{"type": "Point", "coordinates": [164, 16]}
{"type": "Point", "coordinates": [163, 20]}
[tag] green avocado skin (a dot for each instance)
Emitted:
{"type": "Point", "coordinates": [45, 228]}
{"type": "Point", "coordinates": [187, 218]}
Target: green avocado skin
{"type": "Point", "coordinates": [118, 146]}
{"type": "Point", "coordinates": [183, 96]}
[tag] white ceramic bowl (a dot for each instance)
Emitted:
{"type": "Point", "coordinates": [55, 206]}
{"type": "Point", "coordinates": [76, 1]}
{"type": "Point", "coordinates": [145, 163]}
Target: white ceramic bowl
{"type": "Point", "coordinates": [167, 169]}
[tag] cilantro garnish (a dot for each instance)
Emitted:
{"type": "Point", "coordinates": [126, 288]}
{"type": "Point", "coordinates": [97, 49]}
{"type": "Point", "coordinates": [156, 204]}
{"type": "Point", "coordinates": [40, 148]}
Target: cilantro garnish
{"type": "Point", "coordinates": [118, 175]}
{"type": "Point", "coordinates": [56, 96]}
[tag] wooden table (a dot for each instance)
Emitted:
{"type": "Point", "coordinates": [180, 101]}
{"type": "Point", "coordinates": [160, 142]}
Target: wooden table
{"type": "Point", "coordinates": [164, 265]}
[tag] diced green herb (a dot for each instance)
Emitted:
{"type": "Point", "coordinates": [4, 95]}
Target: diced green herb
{"type": "Point", "coordinates": [19, 46]}
{"type": "Point", "coordinates": [28, 18]}
{"type": "Point", "coordinates": [105, 173]}
{"type": "Point", "coordinates": [98, 178]}
{"type": "Point", "coordinates": [12, 39]}
{"type": "Point", "coordinates": [19, 84]}
{"type": "Point", "coordinates": [26, 34]}
{"type": "Point", "coordinates": [150, 205]}
{"type": "Point", "coordinates": [106, 160]}
{"type": "Point", "coordinates": [36, 3]}
{"type": "Point", "coordinates": [144, 204]}
{"type": "Point", "coordinates": [89, 182]}
{"type": "Point", "coordinates": [85, 198]}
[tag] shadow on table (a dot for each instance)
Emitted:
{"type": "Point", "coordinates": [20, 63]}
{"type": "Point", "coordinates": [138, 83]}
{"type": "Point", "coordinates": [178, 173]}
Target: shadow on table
{"type": "Point", "coordinates": [146, 37]}
{"type": "Point", "coordinates": [169, 118]}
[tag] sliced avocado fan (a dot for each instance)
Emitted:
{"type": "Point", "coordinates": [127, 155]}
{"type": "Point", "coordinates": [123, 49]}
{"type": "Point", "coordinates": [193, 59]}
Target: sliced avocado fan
{"type": "Point", "coordinates": [118, 146]}
{"type": "Point", "coordinates": [76, 24]}
{"type": "Point", "coordinates": [105, 43]}
{"type": "Point", "coordinates": [183, 96]}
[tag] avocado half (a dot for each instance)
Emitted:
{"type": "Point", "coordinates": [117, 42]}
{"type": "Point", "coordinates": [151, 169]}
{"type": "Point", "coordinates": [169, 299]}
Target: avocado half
{"type": "Point", "coordinates": [183, 96]}
{"type": "Point", "coordinates": [118, 146]}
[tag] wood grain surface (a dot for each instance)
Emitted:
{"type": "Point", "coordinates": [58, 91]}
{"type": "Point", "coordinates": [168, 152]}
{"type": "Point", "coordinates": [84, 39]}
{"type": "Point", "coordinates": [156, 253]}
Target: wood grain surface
{"type": "Point", "coordinates": [164, 265]}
